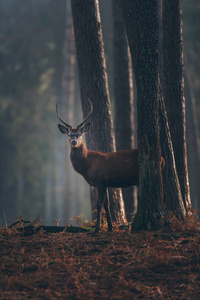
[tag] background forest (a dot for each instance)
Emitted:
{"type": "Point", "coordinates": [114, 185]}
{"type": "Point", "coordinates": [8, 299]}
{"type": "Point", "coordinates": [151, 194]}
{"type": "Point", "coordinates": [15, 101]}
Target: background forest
{"type": "Point", "coordinates": [36, 43]}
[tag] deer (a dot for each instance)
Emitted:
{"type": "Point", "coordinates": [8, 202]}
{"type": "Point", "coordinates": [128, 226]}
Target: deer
{"type": "Point", "coordinates": [100, 169]}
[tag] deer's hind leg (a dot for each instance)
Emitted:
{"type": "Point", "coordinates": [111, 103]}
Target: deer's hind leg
{"type": "Point", "coordinates": [103, 199]}
{"type": "Point", "coordinates": [107, 209]}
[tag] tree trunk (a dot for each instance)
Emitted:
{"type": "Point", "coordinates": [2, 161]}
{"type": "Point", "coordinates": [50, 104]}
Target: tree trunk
{"type": "Point", "coordinates": [160, 12]}
{"type": "Point", "coordinates": [48, 194]}
{"type": "Point", "coordinates": [193, 145]}
{"type": "Point", "coordinates": [172, 192]}
{"type": "Point", "coordinates": [123, 92]}
{"type": "Point", "coordinates": [68, 86]}
{"type": "Point", "coordinates": [142, 31]}
{"type": "Point", "coordinates": [60, 172]}
{"type": "Point", "coordinates": [174, 89]}
{"type": "Point", "coordinates": [93, 84]}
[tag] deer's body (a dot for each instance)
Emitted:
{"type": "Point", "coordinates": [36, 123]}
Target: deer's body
{"type": "Point", "coordinates": [101, 170]}
{"type": "Point", "coordinates": [111, 169]}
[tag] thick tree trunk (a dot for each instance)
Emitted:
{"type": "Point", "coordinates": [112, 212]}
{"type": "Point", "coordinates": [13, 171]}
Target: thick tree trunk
{"type": "Point", "coordinates": [94, 84]}
{"type": "Point", "coordinates": [142, 31]}
{"type": "Point", "coordinates": [123, 92]}
{"type": "Point", "coordinates": [174, 89]}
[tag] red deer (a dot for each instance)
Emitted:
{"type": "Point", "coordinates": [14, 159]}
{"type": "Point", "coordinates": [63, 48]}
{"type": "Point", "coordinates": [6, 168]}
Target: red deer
{"type": "Point", "coordinates": [101, 170]}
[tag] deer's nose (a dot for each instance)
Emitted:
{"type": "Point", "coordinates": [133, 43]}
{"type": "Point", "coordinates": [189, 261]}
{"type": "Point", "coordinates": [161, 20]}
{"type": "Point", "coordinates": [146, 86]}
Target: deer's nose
{"type": "Point", "coordinates": [74, 143]}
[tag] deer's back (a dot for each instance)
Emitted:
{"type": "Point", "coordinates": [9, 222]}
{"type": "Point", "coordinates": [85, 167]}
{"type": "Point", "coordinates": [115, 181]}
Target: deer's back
{"type": "Point", "coordinates": [112, 169]}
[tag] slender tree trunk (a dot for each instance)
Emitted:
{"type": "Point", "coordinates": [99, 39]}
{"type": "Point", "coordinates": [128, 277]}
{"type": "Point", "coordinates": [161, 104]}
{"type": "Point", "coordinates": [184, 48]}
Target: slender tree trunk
{"type": "Point", "coordinates": [160, 13]}
{"type": "Point", "coordinates": [60, 152]}
{"type": "Point", "coordinates": [123, 91]}
{"type": "Point", "coordinates": [171, 186]}
{"type": "Point", "coordinates": [20, 189]}
{"type": "Point", "coordinates": [174, 89]}
{"type": "Point", "coordinates": [94, 84]}
{"type": "Point", "coordinates": [172, 192]}
{"type": "Point", "coordinates": [142, 31]}
{"type": "Point", "coordinates": [48, 195]}
{"type": "Point", "coordinates": [68, 87]}
{"type": "Point", "coordinates": [193, 145]}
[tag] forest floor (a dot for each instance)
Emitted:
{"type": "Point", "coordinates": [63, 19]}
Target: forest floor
{"type": "Point", "coordinates": [117, 265]}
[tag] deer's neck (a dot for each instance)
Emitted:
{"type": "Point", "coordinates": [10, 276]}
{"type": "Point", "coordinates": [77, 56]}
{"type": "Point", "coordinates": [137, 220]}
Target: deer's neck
{"type": "Point", "coordinates": [78, 159]}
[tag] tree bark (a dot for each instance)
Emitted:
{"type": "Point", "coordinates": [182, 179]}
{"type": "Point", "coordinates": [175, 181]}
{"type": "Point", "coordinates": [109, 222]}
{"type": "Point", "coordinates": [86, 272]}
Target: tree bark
{"type": "Point", "coordinates": [172, 192]}
{"type": "Point", "coordinates": [142, 31]}
{"type": "Point", "coordinates": [123, 92]}
{"type": "Point", "coordinates": [94, 85]}
{"type": "Point", "coordinates": [160, 13]}
{"type": "Point", "coordinates": [174, 89]}
{"type": "Point", "coordinates": [193, 145]}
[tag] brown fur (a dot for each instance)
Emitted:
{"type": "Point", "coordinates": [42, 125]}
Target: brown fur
{"type": "Point", "coordinates": [114, 169]}
{"type": "Point", "coordinates": [110, 169]}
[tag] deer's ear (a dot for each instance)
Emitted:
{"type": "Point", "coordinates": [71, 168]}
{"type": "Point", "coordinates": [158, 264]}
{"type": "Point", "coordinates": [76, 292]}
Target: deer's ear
{"type": "Point", "coordinates": [85, 128]}
{"type": "Point", "coordinates": [63, 129]}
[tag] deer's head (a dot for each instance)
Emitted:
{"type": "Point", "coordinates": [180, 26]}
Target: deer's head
{"type": "Point", "coordinates": [75, 134]}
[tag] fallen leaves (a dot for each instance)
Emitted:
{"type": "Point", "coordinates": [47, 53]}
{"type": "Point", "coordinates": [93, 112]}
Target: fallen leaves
{"type": "Point", "coordinates": [118, 265]}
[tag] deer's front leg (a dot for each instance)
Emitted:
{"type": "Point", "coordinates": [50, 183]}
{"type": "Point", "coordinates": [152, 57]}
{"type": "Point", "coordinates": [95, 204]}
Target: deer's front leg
{"type": "Point", "coordinates": [107, 209]}
{"type": "Point", "coordinates": [101, 198]}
